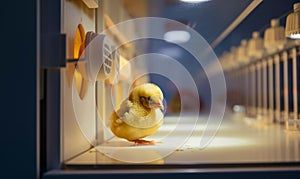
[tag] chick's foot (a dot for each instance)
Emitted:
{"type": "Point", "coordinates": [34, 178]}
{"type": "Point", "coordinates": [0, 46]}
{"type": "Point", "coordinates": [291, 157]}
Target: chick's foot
{"type": "Point", "coordinates": [144, 142]}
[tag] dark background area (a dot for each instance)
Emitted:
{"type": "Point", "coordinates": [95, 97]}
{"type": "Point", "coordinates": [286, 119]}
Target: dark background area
{"type": "Point", "coordinates": [211, 18]}
{"type": "Point", "coordinates": [18, 89]}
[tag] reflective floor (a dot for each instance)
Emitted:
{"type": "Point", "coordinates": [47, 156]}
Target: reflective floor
{"type": "Point", "coordinates": [237, 140]}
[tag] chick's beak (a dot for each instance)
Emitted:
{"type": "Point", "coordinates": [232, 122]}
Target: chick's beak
{"type": "Point", "coordinates": [157, 104]}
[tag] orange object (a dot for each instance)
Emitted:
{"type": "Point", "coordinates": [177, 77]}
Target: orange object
{"type": "Point", "coordinates": [78, 52]}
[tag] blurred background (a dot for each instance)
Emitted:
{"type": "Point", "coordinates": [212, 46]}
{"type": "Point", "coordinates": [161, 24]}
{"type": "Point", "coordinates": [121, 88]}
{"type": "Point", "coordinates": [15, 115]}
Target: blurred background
{"type": "Point", "coordinates": [215, 21]}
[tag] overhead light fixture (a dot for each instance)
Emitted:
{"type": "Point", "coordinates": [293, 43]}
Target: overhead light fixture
{"type": "Point", "coordinates": [194, 1]}
{"type": "Point", "coordinates": [177, 36]}
{"type": "Point", "coordinates": [255, 46]}
{"type": "Point", "coordinates": [232, 57]}
{"type": "Point", "coordinates": [274, 37]}
{"type": "Point", "coordinates": [292, 29]}
{"type": "Point", "coordinates": [241, 53]}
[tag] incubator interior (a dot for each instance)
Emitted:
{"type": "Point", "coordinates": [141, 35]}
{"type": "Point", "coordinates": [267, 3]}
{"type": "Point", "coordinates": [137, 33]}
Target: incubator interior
{"type": "Point", "coordinates": [237, 105]}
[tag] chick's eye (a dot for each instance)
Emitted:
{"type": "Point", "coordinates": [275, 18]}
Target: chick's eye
{"type": "Point", "coordinates": [149, 98]}
{"type": "Point", "coordinates": [143, 99]}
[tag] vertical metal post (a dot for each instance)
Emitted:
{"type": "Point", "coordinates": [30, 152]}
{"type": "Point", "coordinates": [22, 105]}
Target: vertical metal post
{"type": "Point", "coordinates": [245, 76]}
{"type": "Point", "coordinates": [253, 89]}
{"type": "Point", "coordinates": [277, 87]}
{"type": "Point", "coordinates": [259, 90]}
{"type": "Point", "coordinates": [242, 86]}
{"type": "Point", "coordinates": [292, 124]}
{"type": "Point", "coordinates": [264, 88]}
{"type": "Point", "coordinates": [271, 89]}
{"type": "Point", "coordinates": [295, 87]}
{"type": "Point", "coordinates": [236, 79]}
{"type": "Point", "coordinates": [286, 86]}
{"type": "Point", "coordinates": [247, 105]}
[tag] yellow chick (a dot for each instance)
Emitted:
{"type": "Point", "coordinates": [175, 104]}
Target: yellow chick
{"type": "Point", "coordinates": [139, 115]}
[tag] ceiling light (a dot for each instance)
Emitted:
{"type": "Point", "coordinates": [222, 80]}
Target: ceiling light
{"type": "Point", "coordinates": [177, 36]}
{"type": "Point", "coordinates": [241, 53]}
{"type": "Point", "coordinates": [194, 1]}
{"type": "Point", "coordinates": [255, 46]}
{"type": "Point", "coordinates": [274, 36]}
{"type": "Point", "coordinates": [292, 28]}
{"type": "Point", "coordinates": [295, 36]}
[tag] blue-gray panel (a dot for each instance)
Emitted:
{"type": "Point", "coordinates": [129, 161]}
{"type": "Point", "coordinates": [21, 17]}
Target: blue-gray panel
{"type": "Point", "coordinates": [18, 89]}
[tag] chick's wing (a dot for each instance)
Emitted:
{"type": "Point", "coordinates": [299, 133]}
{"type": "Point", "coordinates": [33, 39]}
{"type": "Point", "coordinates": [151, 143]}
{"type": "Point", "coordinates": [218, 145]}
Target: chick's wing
{"type": "Point", "coordinates": [125, 107]}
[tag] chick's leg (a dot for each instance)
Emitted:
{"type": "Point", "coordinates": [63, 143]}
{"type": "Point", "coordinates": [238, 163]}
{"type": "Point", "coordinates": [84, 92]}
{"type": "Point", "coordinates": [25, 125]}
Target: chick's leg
{"type": "Point", "coordinates": [144, 142]}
